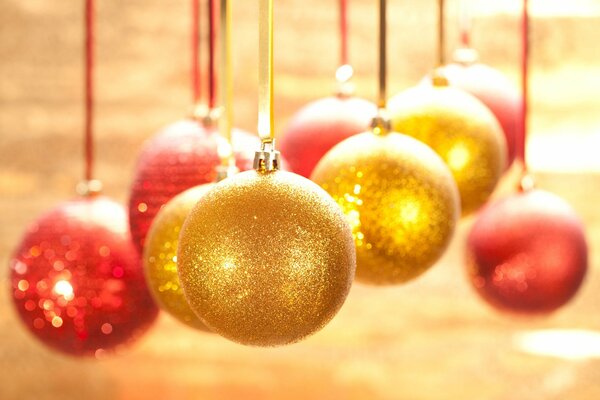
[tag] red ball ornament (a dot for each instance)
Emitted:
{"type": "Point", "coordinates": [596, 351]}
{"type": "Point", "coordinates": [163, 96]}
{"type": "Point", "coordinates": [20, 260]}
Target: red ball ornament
{"type": "Point", "coordinates": [493, 89]}
{"type": "Point", "coordinates": [319, 126]}
{"type": "Point", "coordinates": [527, 253]}
{"type": "Point", "coordinates": [182, 155]}
{"type": "Point", "coordinates": [77, 281]}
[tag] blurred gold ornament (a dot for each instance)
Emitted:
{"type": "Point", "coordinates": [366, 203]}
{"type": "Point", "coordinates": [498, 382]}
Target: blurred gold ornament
{"type": "Point", "coordinates": [266, 258]}
{"type": "Point", "coordinates": [399, 198]}
{"type": "Point", "coordinates": [160, 255]}
{"type": "Point", "coordinates": [461, 129]}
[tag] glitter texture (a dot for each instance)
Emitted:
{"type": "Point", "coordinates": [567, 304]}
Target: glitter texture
{"type": "Point", "coordinates": [527, 253]}
{"type": "Point", "coordinates": [160, 255]}
{"type": "Point", "coordinates": [266, 259]}
{"type": "Point", "coordinates": [495, 90]}
{"type": "Point", "coordinates": [181, 156]}
{"type": "Point", "coordinates": [77, 281]}
{"type": "Point", "coordinates": [319, 126]}
{"type": "Point", "coordinates": [462, 130]}
{"type": "Point", "coordinates": [400, 200]}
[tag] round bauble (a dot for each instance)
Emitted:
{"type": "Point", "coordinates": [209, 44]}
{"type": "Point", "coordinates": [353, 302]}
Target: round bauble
{"type": "Point", "coordinates": [77, 281]}
{"type": "Point", "coordinates": [160, 255]}
{"type": "Point", "coordinates": [319, 126]}
{"type": "Point", "coordinates": [462, 130]}
{"type": "Point", "coordinates": [266, 259]}
{"type": "Point", "coordinates": [527, 253]}
{"type": "Point", "coordinates": [181, 156]}
{"type": "Point", "coordinates": [400, 200]}
{"type": "Point", "coordinates": [495, 90]}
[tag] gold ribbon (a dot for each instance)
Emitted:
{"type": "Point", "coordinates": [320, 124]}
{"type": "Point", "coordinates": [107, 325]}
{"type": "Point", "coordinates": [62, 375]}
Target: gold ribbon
{"type": "Point", "coordinates": [226, 89]}
{"type": "Point", "coordinates": [265, 71]}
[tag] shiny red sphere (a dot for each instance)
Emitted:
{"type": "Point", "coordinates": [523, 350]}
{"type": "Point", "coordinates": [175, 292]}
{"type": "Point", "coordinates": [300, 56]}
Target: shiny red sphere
{"type": "Point", "coordinates": [496, 91]}
{"type": "Point", "coordinates": [182, 155]}
{"type": "Point", "coordinates": [77, 281]}
{"type": "Point", "coordinates": [527, 253]}
{"type": "Point", "coordinates": [319, 126]}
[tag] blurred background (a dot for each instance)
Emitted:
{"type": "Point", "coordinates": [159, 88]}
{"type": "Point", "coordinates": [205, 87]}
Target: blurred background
{"type": "Point", "coordinates": [431, 339]}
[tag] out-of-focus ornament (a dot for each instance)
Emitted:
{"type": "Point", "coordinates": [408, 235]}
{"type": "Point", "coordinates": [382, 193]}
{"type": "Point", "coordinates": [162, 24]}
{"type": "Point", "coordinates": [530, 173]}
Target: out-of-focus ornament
{"type": "Point", "coordinates": [77, 281]}
{"type": "Point", "coordinates": [322, 124]}
{"type": "Point", "coordinates": [400, 199]}
{"type": "Point", "coordinates": [461, 129]}
{"type": "Point", "coordinates": [181, 156]}
{"type": "Point", "coordinates": [492, 88]}
{"type": "Point", "coordinates": [266, 258]}
{"type": "Point", "coordinates": [160, 255]}
{"type": "Point", "coordinates": [527, 253]}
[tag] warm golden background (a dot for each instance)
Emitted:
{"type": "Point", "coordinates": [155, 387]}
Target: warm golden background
{"type": "Point", "coordinates": [432, 339]}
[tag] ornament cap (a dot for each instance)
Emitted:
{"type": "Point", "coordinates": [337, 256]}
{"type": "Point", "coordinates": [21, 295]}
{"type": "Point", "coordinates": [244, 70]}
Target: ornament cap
{"type": "Point", "coordinates": [526, 183]}
{"type": "Point", "coordinates": [465, 56]}
{"type": "Point", "coordinates": [267, 159]}
{"type": "Point", "coordinates": [88, 188]}
{"type": "Point", "coordinates": [208, 117]}
{"type": "Point", "coordinates": [438, 78]}
{"type": "Point", "coordinates": [343, 76]}
{"type": "Point", "coordinates": [381, 124]}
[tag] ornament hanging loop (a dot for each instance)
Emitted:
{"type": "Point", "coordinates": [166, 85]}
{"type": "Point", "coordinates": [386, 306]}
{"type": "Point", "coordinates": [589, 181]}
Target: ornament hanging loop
{"type": "Point", "coordinates": [89, 187]}
{"type": "Point", "coordinates": [381, 124]}
{"type": "Point", "coordinates": [343, 76]}
{"type": "Point", "coordinates": [267, 159]}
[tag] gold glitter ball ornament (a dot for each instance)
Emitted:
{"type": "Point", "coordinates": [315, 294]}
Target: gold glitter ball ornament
{"type": "Point", "coordinates": [266, 258]}
{"type": "Point", "coordinates": [462, 130]}
{"type": "Point", "coordinates": [400, 199]}
{"type": "Point", "coordinates": [160, 256]}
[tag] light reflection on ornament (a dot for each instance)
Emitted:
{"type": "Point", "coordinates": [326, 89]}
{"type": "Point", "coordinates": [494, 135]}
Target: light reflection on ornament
{"type": "Point", "coordinates": [527, 253]}
{"type": "Point", "coordinates": [399, 199]}
{"type": "Point", "coordinates": [64, 289]}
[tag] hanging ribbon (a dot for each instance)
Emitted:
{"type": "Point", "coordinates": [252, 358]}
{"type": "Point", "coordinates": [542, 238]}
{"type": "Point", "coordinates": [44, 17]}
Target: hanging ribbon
{"type": "Point", "coordinates": [343, 32]}
{"type": "Point", "coordinates": [265, 72]}
{"type": "Point", "coordinates": [382, 92]}
{"type": "Point", "coordinates": [441, 34]}
{"type": "Point", "coordinates": [465, 24]}
{"type": "Point", "coordinates": [225, 66]}
{"type": "Point", "coordinates": [212, 37]}
{"type": "Point", "coordinates": [195, 51]}
{"type": "Point", "coordinates": [89, 90]}
{"type": "Point", "coordinates": [523, 131]}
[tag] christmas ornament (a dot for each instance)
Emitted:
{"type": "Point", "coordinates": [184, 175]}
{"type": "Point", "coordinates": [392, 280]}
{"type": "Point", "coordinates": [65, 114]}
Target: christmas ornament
{"type": "Point", "coordinates": [461, 130]}
{"type": "Point", "coordinates": [323, 123]}
{"type": "Point", "coordinates": [319, 126]}
{"type": "Point", "coordinates": [527, 253]}
{"type": "Point", "coordinates": [76, 279]}
{"type": "Point", "coordinates": [492, 88]}
{"type": "Point", "coordinates": [400, 200]}
{"type": "Point", "coordinates": [185, 153]}
{"type": "Point", "coordinates": [181, 156]}
{"type": "Point", "coordinates": [160, 255]}
{"type": "Point", "coordinates": [266, 257]}
{"type": "Point", "coordinates": [397, 194]}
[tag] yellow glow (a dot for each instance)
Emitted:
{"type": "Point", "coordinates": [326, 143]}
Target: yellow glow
{"type": "Point", "coordinates": [64, 288]}
{"type": "Point", "coordinates": [410, 211]}
{"type": "Point", "coordinates": [458, 157]}
{"type": "Point", "coordinates": [560, 343]}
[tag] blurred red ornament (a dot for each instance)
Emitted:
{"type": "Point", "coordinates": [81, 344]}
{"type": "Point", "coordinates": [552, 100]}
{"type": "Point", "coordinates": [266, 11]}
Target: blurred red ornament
{"type": "Point", "coordinates": [182, 155]}
{"type": "Point", "coordinates": [319, 126]}
{"type": "Point", "coordinates": [527, 253]}
{"type": "Point", "coordinates": [493, 89]}
{"type": "Point", "coordinates": [77, 281]}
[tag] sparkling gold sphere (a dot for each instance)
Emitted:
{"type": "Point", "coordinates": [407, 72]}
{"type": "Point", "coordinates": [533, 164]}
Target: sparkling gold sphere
{"type": "Point", "coordinates": [400, 199]}
{"type": "Point", "coordinates": [462, 130]}
{"type": "Point", "coordinates": [266, 259]}
{"type": "Point", "coordinates": [160, 255]}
